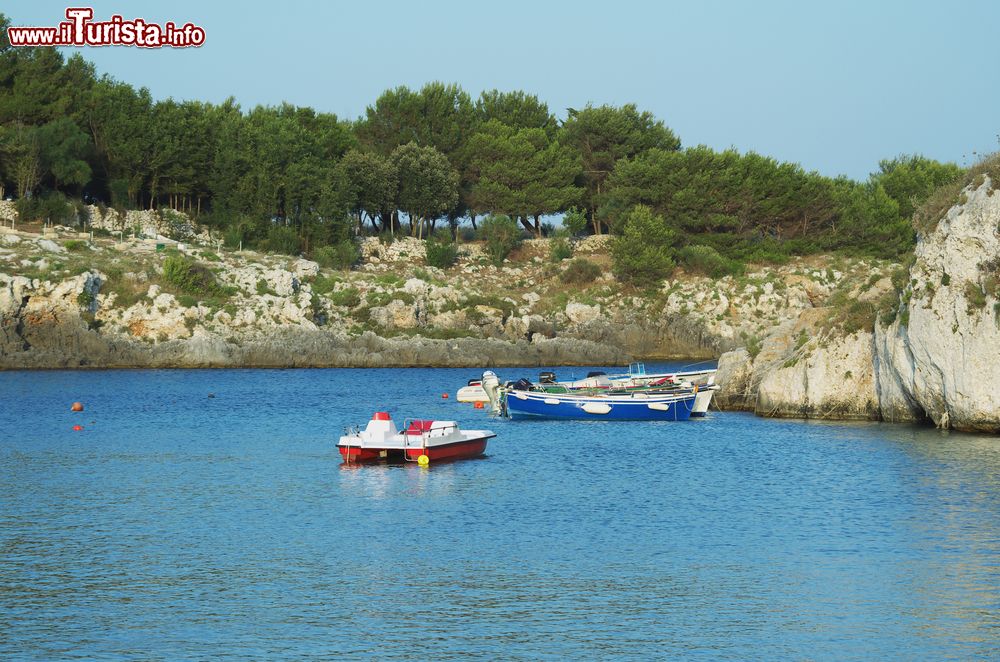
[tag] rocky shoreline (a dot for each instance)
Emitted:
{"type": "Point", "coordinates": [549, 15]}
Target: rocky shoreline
{"type": "Point", "coordinates": [816, 338]}
{"type": "Point", "coordinates": [932, 354]}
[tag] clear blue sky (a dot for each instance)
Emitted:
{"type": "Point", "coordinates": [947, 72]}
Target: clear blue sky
{"type": "Point", "coordinates": [835, 86]}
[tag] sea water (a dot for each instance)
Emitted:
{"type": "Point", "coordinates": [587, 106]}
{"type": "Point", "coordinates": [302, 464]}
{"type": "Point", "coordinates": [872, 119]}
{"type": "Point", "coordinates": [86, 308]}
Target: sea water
{"type": "Point", "coordinates": [207, 514]}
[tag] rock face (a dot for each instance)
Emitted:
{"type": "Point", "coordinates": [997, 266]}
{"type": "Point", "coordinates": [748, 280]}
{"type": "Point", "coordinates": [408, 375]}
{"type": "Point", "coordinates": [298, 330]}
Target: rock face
{"type": "Point", "coordinates": [938, 360]}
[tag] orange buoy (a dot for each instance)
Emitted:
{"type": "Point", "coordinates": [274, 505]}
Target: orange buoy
{"type": "Point", "coordinates": [77, 406]}
{"type": "Point", "coordinates": [77, 428]}
{"type": "Point", "coordinates": [444, 395]}
{"type": "Point", "coordinates": [478, 405]}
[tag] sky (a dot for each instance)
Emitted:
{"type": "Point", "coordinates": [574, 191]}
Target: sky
{"type": "Point", "coordinates": [835, 86]}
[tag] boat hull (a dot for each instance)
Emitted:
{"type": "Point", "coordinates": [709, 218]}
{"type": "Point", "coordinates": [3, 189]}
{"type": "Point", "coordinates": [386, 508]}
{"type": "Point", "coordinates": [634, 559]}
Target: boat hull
{"type": "Point", "coordinates": [458, 450]}
{"type": "Point", "coordinates": [522, 404]}
{"type": "Point", "coordinates": [472, 394]}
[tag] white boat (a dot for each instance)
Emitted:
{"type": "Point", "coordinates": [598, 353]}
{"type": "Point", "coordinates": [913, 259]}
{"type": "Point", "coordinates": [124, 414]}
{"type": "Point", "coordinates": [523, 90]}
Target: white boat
{"type": "Point", "coordinates": [472, 392]}
{"type": "Point", "coordinates": [420, 441]}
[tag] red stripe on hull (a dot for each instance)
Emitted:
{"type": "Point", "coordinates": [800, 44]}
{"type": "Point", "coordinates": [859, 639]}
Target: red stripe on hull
{"type": "Point", "coordinates": [456, 451]}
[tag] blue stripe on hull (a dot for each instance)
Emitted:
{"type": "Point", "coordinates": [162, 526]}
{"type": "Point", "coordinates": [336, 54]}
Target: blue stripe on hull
{"type": "Point", "coordinates": [678, 410]}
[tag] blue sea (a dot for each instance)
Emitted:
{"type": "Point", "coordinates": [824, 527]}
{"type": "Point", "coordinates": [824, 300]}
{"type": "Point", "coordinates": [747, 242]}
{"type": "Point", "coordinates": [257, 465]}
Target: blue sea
{"type": "Point", "coordinates": [207, 515]}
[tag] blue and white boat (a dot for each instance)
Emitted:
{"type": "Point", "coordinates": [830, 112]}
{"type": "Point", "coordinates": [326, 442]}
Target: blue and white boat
{"type": "Point", "coordinates": [624, 407]}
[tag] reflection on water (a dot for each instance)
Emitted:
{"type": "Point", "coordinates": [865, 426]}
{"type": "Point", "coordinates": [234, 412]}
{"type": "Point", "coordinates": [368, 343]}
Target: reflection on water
{"type": "Point", "coordinates": [179, 526]}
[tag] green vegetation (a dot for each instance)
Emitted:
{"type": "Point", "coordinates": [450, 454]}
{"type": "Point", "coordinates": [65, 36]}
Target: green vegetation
{"type": "Point", "coordinates": [560, 249]}
{"type": "Point", "coordinates": [502, 236]}
{"type": "Point", "coordinates": [975, 297]}
{"type": "Point", "coordinates": [441, 253]}
{"type": "Point", "coordinates": [580, 271]}
{"type": "Point", "coordinates": [188, 276]}
{"type": "Point", "coordinates": [706, 260]}
{"type": "Point", "coordinates": [341, 255]}
{"type": "Point", "coordinates": [348, 297]}
{"type": "Point", "coordinates": [287, 179]}
{"type": "Point", "coordinates": [936, 205]}
{"type": "Point", "coordinates": [643, 252]}
{"type": "Point", "coordinates": [263, 288]}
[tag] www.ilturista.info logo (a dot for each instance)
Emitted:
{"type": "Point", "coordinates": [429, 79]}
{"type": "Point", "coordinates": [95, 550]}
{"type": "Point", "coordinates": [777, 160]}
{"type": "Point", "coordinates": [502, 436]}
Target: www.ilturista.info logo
{"type": "Point", "coordinates": [79, 30]}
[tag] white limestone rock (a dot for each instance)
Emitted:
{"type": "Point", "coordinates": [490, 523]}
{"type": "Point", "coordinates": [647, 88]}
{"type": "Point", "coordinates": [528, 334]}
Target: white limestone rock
{"type": "Point", "coordinates": [941, 356]}
{"type": "Point", "coordinates": [581, 313]}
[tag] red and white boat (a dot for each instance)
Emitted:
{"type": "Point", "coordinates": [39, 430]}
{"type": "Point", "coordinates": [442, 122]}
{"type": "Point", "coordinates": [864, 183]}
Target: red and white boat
{"type": "Point", "coordinates": [420, 441]}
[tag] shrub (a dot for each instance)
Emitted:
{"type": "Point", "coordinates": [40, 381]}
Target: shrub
{"type": "Point", "coordinates": [282, 239]}
{"type": "Point", "coordinates": [580, 271]}
{"type": "Point", "coordinates": [643, 252]}
{"type": "Point", "coordinates": [324, 284]}
{"type": "Point", "coordinates": [706, 260]}
{"type": "Point", "coordinates": [348, 297]}
{"type": "Point", "coordinates": [560, 249]}
{"type": "Point", "coordinates": [233, 236]}
{"type": "Point", "coordinates": [337, 256]}
{"type": "Point", "coordinates": [502, 236]}
{"type": "Point", "coordinates": [975, 297]}
{"type": "Point", "coordinates": [85, 299]}
{"type": "Point", "coordinates": [441, 253]}
{"type": "Point", "coordinates": [75, 245]}
{"type": "Point", "coordinates": [52, 208]}
{"type": "Point", "coordinates": [188, 276]}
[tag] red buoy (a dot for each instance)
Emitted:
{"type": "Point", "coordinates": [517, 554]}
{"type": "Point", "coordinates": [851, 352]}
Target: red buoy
{"type": "Point", "coordinates": [478, 405]}
{"type": "Point", "coordinates": [381, 416]}
{"type": "Point", "coordinates": [77, 406]}
{"type": "Point", "coordinates": [77, 428]}
{"type": "Point", "coordinates": [444, 395]}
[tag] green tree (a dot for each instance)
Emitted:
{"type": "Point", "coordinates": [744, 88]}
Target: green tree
{"type": "Point", "coordinates": [63, 148]}
{"type": "Point", "coordinates": [22, 157]}
{"type": "Point", "coordinates": [575, 221]}
{"type": "Point", "coordinates": [910, 180]}
{"type": "Point", "coordinates": [643, 253]}
{"type": "Point", "coordinates": [603, 135]}
{"type": "Point", "coordinates": [522, 173]}
{"type": "Point", "coordinates": [373, 185]}
{"type": "Point", "coordinates": [428, 186]}
{"type": "Point", "coordinates": [515, 109]}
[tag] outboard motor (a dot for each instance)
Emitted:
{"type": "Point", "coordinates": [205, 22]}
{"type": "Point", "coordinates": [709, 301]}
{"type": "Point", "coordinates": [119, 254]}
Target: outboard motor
{"type": "Point", "coordinates": [491, 384]}
{"type": "Point", "coordinates": [522, 385]}
{"type": "Point", "coordinates": [547, 378]}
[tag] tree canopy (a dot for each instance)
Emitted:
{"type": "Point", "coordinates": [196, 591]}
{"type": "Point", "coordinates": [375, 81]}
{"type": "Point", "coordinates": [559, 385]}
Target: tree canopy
{"type": "Point", "coordinates": [292, 178]}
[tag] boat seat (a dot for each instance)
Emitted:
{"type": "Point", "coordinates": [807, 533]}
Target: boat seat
{"type": "Point", "coordinates": [419, 427]}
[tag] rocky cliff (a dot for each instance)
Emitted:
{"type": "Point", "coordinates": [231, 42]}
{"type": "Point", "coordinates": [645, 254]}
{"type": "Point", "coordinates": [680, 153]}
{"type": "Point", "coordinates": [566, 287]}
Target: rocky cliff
{"type": "Point", "coordinates": [68, 300]}
{"type": "Point", "coordinates": [928, 350]}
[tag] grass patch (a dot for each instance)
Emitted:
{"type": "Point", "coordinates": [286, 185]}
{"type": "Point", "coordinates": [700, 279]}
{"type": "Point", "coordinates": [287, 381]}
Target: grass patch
{"type": "Point", "coordinates": [928, 215]}
{"type": "Point", "coordinates": [348, 297]}
{"type": "Point", "coordinates": [263, 288]}
{"type": "Point", "coordinates": [389, 279]}
{"type": "Point", "coordinates": [975, 298]}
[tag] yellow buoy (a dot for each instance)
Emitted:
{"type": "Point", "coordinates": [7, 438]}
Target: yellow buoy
{"type": "Point", "coordinates": [423, 460]}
